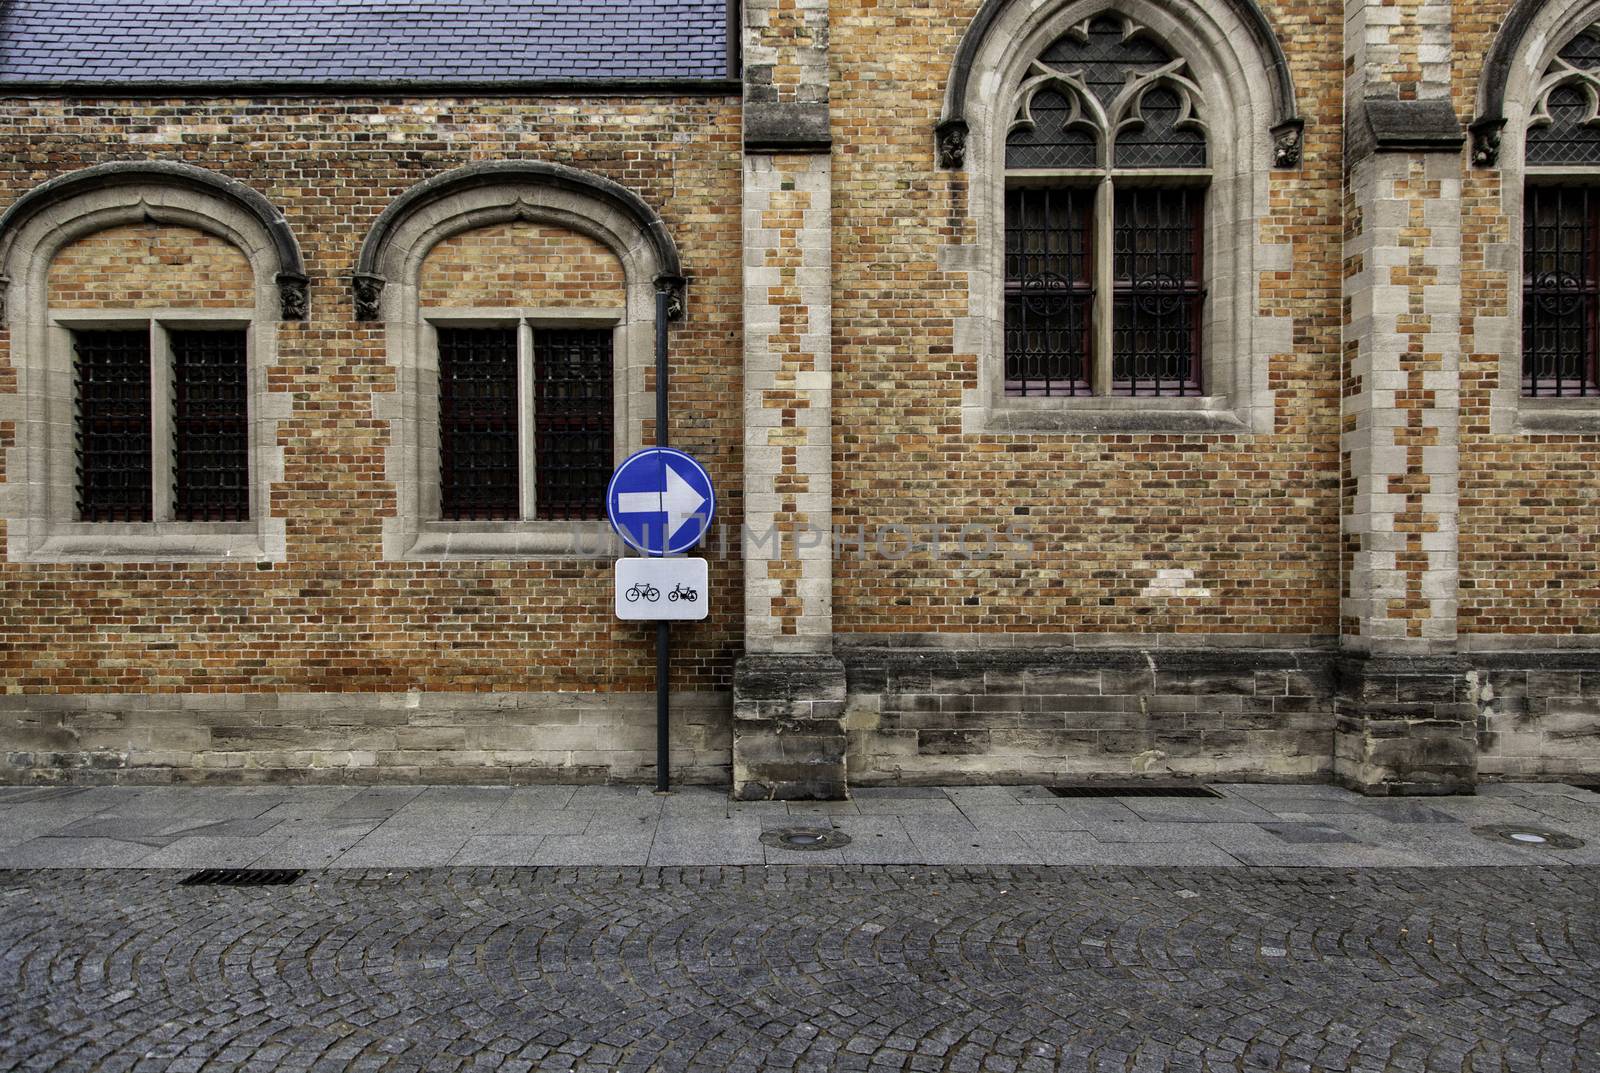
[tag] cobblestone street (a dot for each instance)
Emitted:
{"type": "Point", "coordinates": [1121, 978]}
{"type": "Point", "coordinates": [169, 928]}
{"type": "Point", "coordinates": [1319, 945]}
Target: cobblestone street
{"type": "Point", "coordinates": [745, 968]}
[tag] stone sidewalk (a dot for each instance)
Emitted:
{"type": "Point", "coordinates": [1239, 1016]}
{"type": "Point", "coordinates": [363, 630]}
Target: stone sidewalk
{"type": "Point", "coordinates": [417, 826]}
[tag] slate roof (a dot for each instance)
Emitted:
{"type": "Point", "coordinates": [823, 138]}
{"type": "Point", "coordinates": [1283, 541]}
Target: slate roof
{"type": "Point", "coordinates": [313, 41]}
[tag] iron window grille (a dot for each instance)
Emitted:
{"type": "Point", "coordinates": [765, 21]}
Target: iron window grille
{"type": "Point", "coordinates": [1106, 169]}
{"type": "Point", "coordinates": [113, 425]}
{"type": "Point", "coordinates": [478, 472]}
{"type": "Point", "coordinates": [161, 440]}
{"type": "Point", "coordinates": [210, 427]}
{"type": "Point", "coordinates": [525, 422]}
{"type": "Point", "coordinates": [572, 418]}
{"type": "Point", "coordinates": [1561, 229]}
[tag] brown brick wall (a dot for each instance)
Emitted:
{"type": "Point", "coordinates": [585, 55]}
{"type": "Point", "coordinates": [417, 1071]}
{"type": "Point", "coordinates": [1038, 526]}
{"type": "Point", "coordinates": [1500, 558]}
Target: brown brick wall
{"type": "Point", "coordinates": [1254, 518]}
{"type": "Point", "coordinates": [1530, 505]}
{"type": "Point", "coordinates": [150, 266]}
{"type": "Point", "coordinates": [522, 265]}
{"type": "Point", "coordinates": [336, 617]}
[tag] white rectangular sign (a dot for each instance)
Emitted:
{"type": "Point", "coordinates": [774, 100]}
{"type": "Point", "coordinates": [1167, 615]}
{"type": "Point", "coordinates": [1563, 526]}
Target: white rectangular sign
{"type": "Point", "coordinates": [662, 589]}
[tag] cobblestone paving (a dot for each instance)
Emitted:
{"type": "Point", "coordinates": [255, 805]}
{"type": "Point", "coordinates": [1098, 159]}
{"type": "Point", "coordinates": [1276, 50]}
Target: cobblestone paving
{"type": "Point", "coordinates": [860, 968]}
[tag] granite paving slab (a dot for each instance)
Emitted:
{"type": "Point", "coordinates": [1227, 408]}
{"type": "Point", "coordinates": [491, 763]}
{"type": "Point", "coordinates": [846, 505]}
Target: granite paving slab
{"type": "Point", "coordinates": [74, 853]}
{"type": "Point", "coordinates": [1307, 833]}
{"type": "Point", "coordinates": [408, 852]}
{"type": "Point", "coordinates": [498, 850]}
{"type": "Point", "coordinates": [208, 852]}
{"type": "Point", "coordinates": [1197, 810]}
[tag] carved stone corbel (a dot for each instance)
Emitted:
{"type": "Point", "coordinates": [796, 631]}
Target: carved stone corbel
{"type": "Point", "coordinates": [952, 135]}
{"type": "Point", "coordinates": [673, 287]}
{"type": "Point", "coordinates": [367, 290]}
{"type": "Point", "coordinates": [293, 295]}
{"type": "Point", "coordinates": [1287, 139]}
{"type": "Point", "coordinates": [1486, 142]}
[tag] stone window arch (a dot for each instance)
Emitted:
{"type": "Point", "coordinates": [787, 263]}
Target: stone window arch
{"type": "Point", "coordinates": [1212, 77]}
{"type": "Point", "coordinates": [233, 232]}
{"type": "Point", "coordinates": [631, 259]}
{"type": "Point", "coordinates": [1539, 123]}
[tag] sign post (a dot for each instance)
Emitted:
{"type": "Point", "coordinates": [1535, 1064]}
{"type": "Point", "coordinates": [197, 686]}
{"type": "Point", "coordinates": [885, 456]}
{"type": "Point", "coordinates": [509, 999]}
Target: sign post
{"type": "Point", "coordinates": [660, 502]}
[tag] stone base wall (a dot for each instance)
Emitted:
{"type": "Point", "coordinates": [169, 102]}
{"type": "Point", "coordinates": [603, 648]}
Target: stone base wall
{"type": "Point", "coordinates": [359, 737]}
{"type": "Point", "coordinates": [1538, 713]}
{"type": "Point", "coordinates": [1045, 714]}
{"type": "Point", "coordinates": [788, 729]}
{"type": "Point", "coordinates": [1405, 726]}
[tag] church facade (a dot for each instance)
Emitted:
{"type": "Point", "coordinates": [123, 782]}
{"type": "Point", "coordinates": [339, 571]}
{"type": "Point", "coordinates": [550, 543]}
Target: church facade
{"type": "Point", "coordinates": [1093, 389]}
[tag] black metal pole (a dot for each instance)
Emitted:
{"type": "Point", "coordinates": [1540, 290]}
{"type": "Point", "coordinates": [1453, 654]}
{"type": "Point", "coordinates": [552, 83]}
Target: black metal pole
{"type": "Point", "coordinates": [663, 629]}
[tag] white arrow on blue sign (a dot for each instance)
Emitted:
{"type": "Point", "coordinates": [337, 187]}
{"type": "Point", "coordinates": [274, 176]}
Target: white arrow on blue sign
{"type": "Point", "coordinates": [660, 501]}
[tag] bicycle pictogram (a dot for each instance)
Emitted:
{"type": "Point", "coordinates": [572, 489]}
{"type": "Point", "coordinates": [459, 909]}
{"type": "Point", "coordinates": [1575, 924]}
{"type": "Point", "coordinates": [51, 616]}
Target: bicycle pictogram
{"type": "Point", "coordinates": [645, 592]}
{"type": "Point", "coordinates": [683, 592]}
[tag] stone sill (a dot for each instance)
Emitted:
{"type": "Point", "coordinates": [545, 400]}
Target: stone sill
{"type": "Point", "coordinates": [144, 541]}
{"type": "Point", "coordinates": [1563, 415]}
{"type": "Point", "coordinates": [1113, 415]}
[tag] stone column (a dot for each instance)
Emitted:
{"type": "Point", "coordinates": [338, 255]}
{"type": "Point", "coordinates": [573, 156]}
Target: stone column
{"type": "Point", "coordinates": [788, 734]}
{"type": "Point", "coordinates": [1405, 721]}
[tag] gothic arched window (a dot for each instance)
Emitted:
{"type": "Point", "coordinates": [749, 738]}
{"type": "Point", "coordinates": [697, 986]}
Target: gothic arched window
{"type": "Point", "coordinates": [1106, 174]}
{"type": "Point", "coordinates": [1561, 227]}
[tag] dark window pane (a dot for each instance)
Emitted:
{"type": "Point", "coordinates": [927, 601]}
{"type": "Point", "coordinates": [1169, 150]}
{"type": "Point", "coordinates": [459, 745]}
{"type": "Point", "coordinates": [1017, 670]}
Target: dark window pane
{"type": "Point", "coordinates": [1048, 291]}
{"type": "Point", "coordinates": [1106, 54]}
{"type": "Point", "coordinates": [210, 428]}
{"type": "Point", "coordinates": [1560, 291]}
{"type": "Point", "coordinates": [478, 472]}
{"type": "Point", "coordinates": [1156, 304]}
{"type": "Point", "coordinates": [1050, 142]}
{"type": "Point", "coordinates": [572, 421]}
{"type": "Point", "coordinates": [112, 371]}
{"type": "Point", "coordinates": [1159, 142]}
{"type": "Point", "coordinates": [1569, 137]}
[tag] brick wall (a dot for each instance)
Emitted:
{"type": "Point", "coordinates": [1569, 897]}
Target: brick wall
{"type": "Point", "coordinates": [522, 265]}
{"type": "Point", "coordinates": [1130, 533]}
{"type": "Point", "coordinates": [335, 618]}
{"type": "Point", "coordinates": [150, 266]}
{"type": "Point", "coordinates": [1530, 506]}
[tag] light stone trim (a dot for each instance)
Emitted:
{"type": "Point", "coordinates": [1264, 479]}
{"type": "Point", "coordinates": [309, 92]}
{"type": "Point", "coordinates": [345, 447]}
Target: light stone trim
{"type": "Point", "coordinates": [417, 531]}
{"type": "Point", "coordinates": [39, 498]}
{"type": "Point", "coordinates": [779, 367]}
{"type": "Point", "coordinates": [1509, 413]}
{"type": "Point", "coordinates": [1381, 313]}
{"type": "Point", "coordinates": [1237, 342]}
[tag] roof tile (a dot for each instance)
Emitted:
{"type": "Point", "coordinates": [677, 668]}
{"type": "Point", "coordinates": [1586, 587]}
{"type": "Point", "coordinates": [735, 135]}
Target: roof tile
{"type": "Point", "coordinates": [310, 41]}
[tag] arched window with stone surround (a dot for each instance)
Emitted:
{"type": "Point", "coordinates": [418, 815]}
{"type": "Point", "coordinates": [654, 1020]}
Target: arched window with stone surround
{"type": "Point", "coordinates": [1561, 227]}
{"type": "Point", "coordinates": [519, 303]}
{"type": "Point", "coordinates": [1538, 122]}
{"type": "Point", "coordinates": [1119, 157]}
{"type": "Point", "coordinates": [144, 300]}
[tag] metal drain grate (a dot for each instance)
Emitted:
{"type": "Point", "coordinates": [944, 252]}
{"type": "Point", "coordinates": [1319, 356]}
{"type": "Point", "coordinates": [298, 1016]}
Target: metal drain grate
{"type": "Point", "coordinates": [1112, 790]}
{"type": "Point", "coordinates": [242, 877]}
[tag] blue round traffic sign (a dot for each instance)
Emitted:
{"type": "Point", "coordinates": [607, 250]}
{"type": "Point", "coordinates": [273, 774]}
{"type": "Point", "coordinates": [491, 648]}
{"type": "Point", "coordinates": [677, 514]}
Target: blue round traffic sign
{"type": "Point", "coordinates": [660, 501]}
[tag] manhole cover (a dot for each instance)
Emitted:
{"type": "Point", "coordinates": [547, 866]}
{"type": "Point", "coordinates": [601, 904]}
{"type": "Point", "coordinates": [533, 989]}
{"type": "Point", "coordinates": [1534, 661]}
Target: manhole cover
{"type": "Point", "coordinates": [1527, 836]}
{"type": "Point", "coordinates": [805, 838]}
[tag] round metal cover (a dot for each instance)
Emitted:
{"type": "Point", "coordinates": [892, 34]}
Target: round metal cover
{"type": "Point", "coordinates": [805, 838]}
{"type": "Point", "coordinates": [1518, 835]}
